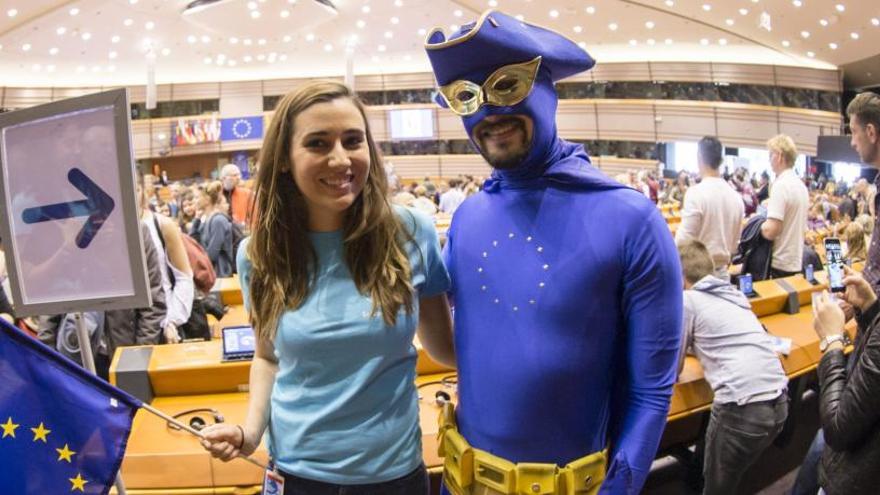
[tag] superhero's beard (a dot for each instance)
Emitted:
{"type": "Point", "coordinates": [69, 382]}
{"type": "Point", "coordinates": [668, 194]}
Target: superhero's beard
{"type": "Point", "coordinates": [504, 143]}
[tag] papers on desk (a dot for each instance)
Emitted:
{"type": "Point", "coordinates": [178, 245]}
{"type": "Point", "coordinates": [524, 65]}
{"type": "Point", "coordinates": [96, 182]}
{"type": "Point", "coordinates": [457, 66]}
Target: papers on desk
{"type": "Point", "coordinates": [781, 345]}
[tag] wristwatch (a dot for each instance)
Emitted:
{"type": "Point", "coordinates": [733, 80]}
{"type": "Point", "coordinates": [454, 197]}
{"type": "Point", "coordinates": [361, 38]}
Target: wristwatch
{"type": "Point", "coordinates": [827, 341]}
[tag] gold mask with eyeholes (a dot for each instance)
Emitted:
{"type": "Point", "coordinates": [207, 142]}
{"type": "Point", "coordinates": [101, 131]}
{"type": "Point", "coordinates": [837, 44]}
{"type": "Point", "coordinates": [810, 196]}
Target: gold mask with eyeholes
{"type": "Point", "coordinates": [506, 87]}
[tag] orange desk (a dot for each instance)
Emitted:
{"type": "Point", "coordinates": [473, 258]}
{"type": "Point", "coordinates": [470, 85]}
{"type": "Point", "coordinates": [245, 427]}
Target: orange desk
{"type": "Point", "coordinates": [229, 290]}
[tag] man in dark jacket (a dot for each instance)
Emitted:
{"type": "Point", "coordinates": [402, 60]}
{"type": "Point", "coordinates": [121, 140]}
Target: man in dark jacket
{"type": "Point", "coordinates": [122, 327]}
{"type": "Point", "coordinates": [849, 404]}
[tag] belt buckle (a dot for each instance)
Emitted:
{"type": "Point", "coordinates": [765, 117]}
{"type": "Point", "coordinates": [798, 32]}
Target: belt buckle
{"type": "Point", "coordinates": [536, 479]}
{"type": "Point", "coordinates": [496, 473]}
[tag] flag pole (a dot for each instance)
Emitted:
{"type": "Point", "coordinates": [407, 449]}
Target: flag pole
{"type": "Point", "coordinates": [189, 429]}
{"type": "Point", "coordinates": [88, 360]}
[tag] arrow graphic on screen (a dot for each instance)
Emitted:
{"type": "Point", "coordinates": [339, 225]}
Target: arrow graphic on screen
{"type": "Point", "coordinates": [97, 206]}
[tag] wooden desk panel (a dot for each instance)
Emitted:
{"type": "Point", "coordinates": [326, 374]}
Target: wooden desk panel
{"type": "Point", "coordinates": [229, 290]}
{"type": "Point", "coordinates": [771, 298]}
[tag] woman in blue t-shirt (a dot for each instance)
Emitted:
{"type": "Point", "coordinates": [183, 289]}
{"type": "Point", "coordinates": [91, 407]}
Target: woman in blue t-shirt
{"type": "Point", "coordinates": [337, 281]}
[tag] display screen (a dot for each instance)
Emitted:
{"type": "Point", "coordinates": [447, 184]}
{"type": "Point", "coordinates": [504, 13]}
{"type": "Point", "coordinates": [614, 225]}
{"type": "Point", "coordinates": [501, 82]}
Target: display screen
{"type": "Point", "coordinates": [238, 341]}
{"type": "Point", "coordinates": [808, 273]}
{"type": "Point", "coordinates": [834, 255]}
{"type": "Point", "coordinates": [411, 123]}
{"type": "Point", "coordinates": [745, 283]}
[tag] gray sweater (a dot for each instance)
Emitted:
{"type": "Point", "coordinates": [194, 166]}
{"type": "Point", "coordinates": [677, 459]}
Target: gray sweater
{"type": "Point", "coordinates": [736, 353]}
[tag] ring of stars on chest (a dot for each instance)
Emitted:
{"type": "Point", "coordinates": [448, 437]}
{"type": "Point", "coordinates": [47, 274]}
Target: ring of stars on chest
{"type": "Point", "coordinates": [528, 292]}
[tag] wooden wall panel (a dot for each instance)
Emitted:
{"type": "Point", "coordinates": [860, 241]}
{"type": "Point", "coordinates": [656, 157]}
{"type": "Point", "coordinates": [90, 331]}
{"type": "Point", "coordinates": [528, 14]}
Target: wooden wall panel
{"type": "Point", "coordinates": [625, 120]}
{"type": "Point", "coordinates": [240, 88]}
{"type": "Point", "coordinates": [799, 77]}
{"type": "Point", "coordinates": [683, 121]}
{"type": "Point", "coordinates": [197, 91]}
{"type": "Point", "coordinates": [25, 97]}
{"type": "Point", "coordinates": [633, 71]}
{"type": "Point", "coordinates": [744, 125]}
{"type": "Point", "coordinates": [577, 120]}
{"type": "Point", "coordinates": [743, 74]}
{"type": "Point", "coordinates": [680, 71]}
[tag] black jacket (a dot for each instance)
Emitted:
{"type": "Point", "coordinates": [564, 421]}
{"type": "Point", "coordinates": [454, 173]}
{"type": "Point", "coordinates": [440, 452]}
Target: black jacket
{"type": "Point", "coordinates": [754, 252]}
{"type": "Point", "coordinates": [850, 411]}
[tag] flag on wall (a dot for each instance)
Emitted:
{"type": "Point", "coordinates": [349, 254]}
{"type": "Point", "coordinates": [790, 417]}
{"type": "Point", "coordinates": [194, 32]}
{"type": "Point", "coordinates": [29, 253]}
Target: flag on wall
{"type": "Point", "coordinates": [241, 128]}
{"type": "Point", "coordinates": [62, 429]}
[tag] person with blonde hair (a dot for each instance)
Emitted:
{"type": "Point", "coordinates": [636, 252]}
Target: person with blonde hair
{"type": "Point", "coordinates": [786, 209]}
{"type": "Point", "coordinates": [854, 235]}
{"type": "Point", "coordinates": [337, 282]}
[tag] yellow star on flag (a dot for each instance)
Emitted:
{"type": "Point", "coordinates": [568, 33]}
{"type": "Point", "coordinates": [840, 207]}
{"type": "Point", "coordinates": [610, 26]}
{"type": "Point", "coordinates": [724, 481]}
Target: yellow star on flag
{"type": "Point", "coordinates": [40, 433]}
{"type": "Point", "coordinates": [78, 483]}
{"type": "Point", "coordinates": [65, 454]}
{"type": "Point", "coordinates": [9, 428]}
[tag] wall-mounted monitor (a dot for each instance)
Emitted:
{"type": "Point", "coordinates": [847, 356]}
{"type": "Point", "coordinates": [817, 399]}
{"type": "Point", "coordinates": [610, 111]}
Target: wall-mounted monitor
{"type": "Point", "coordinates": [411, 123]}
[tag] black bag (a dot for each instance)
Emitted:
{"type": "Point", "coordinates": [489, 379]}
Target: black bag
{"type": "Point", "coordinates": [196, 327]}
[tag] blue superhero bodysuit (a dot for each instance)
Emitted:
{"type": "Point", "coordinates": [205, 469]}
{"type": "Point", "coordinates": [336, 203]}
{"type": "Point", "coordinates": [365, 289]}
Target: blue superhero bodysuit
{"type": "Point", "coordinates": [566, 284]}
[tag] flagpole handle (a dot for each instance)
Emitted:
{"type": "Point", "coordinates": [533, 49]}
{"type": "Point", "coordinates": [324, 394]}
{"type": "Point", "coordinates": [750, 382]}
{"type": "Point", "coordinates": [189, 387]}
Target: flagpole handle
{"type": "Point", "coordinates": [189, 429]}
{"type": "Point", "coordinates": [85, 343]}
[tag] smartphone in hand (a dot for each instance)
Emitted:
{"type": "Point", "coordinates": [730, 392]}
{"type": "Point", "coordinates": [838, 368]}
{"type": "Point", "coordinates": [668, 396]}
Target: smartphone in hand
{"type": "Point", "coordinates": [834, 255]}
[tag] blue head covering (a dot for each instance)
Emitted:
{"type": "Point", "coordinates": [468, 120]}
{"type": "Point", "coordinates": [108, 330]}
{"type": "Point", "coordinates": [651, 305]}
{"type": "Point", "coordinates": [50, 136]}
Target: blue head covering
{"type": "Point", "coordinates": [478, 49]}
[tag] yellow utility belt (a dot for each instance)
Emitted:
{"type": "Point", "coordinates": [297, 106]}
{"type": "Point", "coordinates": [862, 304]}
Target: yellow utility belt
{"type": "Point", "coordinates": [470, 471]}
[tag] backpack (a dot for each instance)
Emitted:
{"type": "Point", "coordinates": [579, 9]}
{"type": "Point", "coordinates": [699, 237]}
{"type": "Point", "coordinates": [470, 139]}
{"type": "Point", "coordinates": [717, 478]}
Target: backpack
{"type": "Point", "coordinates": [237, 236]}
{"type": "Point", "coordinates": [203, 271]}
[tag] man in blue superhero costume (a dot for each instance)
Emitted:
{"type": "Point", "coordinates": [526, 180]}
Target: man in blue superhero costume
{"type": "Point", "coordinates": [567, 285]}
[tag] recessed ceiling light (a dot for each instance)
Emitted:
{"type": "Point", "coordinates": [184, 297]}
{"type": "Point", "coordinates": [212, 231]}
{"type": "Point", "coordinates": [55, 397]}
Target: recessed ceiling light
{"type": "Point", "coordinates": [149, 25]}
{"type": "Point", "coordinates": [365, 9]}
{"type": "Point", "coordinates": [722, 41]}
{"type": "Point", "coordinates": [127, 22]}
{"type": "Point", "coordinates": [395, 20]}
{"type": "Point", "coordinates": [191, 39]}
{"type": "Point", "coordinates": [554, 13]}
{"type": "Point", "coordinates": [50, 68]}
{"type": "Point", "coordinates": [86, 36]}
{"type": "Point", "coordinates": [797, 3]}
{"type": "Point", "coordinates": [590, 10]}
{"type": "Point", "coordinates": [112, 55]}
{"type": "Point", "coordinates": [707, 7]}
{"type": "Point", "coordinates": [651, 41]}
{"type": "Point", "coordinates": [80, 69]}
{"type": "Point", "coordinates": [649, 24]}
{"type": "Point", "coordinates": [261, 57]}
{"type": "Point", "coordinates": [811, 54]}
{"type": "Point", "coordinates": [457, 13]}
{"type": "Point", "coordinates": [704, 42]}
{"type": "Point", "coordinates": [493, 3]}
{"type": "Point", "coordinates": [261, 41]}
{"type": "Point", "coordinates": [232, 63]}
{"type": "Point", "coordinates": [247, 58]}
{"type": "Point", "coordinates": [833, 46]}
{"type": "Point", "coordinates": [287, 38]}
{"type": "Point", "coordinates": [166, 52]}
{"type": "Point", "coordinates": [255, 14]}
{"type": "Point", "coordinates": [73, 11]}
{"type": "Point", "coordinates": [743, 11]}
{"type": "Point", "coordinates": [233, 40]}
{"type": "Point", "coordinates": [613, 26]}
{"type": "Point", "coordinates": [206, 39]}
{"type": "Point", "coordinates": [840, 7]}
{"type": "Point", "coordinates": [805, 34]}
{"type": "Point", "coordinates": [452, 27]}
{"type": "Point", "coordinates": [854, 36]}
{"type": "Point", "coordinates": [875, 21]}
{"type": "Point", "coordinates": [361, 23]}
{"type": "Point", "coordinates": [115, 39]}
{"type": "Point", "coordinates": [328, 47]}
{"type": "Point", "coordinates": [249, 42]}
{"type": "Point", "coordinates": [667, 41]}
{"type": "Point", "coordinates": [310, 37]}
{"type": "Point", "coordinates": [382, 48]}
{"type": "Point", "coordinates": [53, 51]}
{"type": "Point", "coordinates": [284, 14]}
{"type": "Point", "coordinates": [282, 57]}
{"type": "Point", "coordinates": [61, 30]}
{"type": "Point", "coordinates": [578, 29]}
{"type": "Point", "coordinates": [390, 34]}
{"type": "Point", "coordinates": [132, 1]}
{"type": "Point", "coordinates": [12, 12]}
{"type": "Point", "coordinates": [582, 44]}
{"type": "Point", "coordinates": [823, 22]}
{"type": "Point", "coordinates": [398, 3]}
{"type": "Point", "coordinates": [26, 47]}
{"type": "Point", "coordinates": [208, 60]}
{"type": "Point", "coordinates": [422, 32]}
{"type": "Point", "coordinates": [670, 3]}
{"type": "Point", "coordinates": [786, 43]}
{"type": "Point", "coordinates": [729, 22]}
{"type": "Point", "coordinates": [633, 42]}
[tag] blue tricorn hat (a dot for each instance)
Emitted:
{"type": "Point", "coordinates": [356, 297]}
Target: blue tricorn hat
{"type": "Point", "coordinates": [495, 40]}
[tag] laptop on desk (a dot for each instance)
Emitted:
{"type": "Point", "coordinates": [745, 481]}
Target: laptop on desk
{"type": "Point", "coordinates": [239, 343]}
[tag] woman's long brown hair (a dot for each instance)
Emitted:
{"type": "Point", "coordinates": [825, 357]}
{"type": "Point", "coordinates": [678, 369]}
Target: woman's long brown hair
{"type": "Point", "coordinates": [283, 259]}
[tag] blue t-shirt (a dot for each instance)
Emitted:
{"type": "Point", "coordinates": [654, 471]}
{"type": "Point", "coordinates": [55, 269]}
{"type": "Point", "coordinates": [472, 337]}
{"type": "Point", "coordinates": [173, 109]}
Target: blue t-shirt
{"type": "Point", "coordinates": [344, 407]}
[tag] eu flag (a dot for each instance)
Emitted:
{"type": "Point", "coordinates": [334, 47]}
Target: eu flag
{"type": "Point", "coordinates": [62, 429]}
{"type": "Point", "coordinates": [241, 128]}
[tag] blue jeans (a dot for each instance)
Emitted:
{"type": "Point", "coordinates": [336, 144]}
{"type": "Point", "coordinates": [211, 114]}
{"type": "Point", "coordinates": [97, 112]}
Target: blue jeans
{"type": "Point", "coordinates": [807, 481]}
{"type": "Point", "coordinates": [414, 483]}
